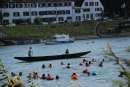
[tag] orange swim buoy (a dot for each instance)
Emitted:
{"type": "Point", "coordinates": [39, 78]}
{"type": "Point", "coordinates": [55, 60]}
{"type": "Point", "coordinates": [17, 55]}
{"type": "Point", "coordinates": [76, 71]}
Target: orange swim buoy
{"type": "Point", "coordinates": [74, 77]}
{"type": "Point", "coordinates": [49, 78]}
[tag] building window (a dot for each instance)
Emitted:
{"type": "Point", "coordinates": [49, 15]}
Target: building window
{"type": "Point", "coordinates": [33, 5]}
{"type": "Point", "coordinates": [96, 3]}
{"type": "Point", "coordinates": [78, 18]}
{"type": "Point", "coordinates": [98, 14]}
{"type": "Point", "coordinates": [41, 13]}
{"type": "Point", "coordinates": [77, 11]}
{"type": "Point", "coordinates": [5, 6]}
{"type": "Point", "coordinates": [91, 16]}
{"type": "Point", "coordinates": [11, 5]}
{"type": "Point", "coordinates": [61, 19]}
{"type": "Point", "coordinates": [26, 5]}
{"type": "Point", "coordinates": [86, 10]}
{"type": "Point", "coordinates": [97, 9]}
{"type": "Point", "coordinates": [34, 13]}
{"type": "Point", "coordinates": [60, 4]}
{"type": "Point", "coordinates": [14, 20]}
{"type": "Point", "coordinates": [40, 5]}
{"type": "Point", "coordinates": [69, 3]}
{"type": "Point", "coordinates": [49, 5]}
{"type": "Point", "coordinates": [46, 12]}
{"type": "Point", "coordinates": [16, 14]}
{"type": "Point", "coordinates": [19, 5]}
{"type": "Point", "coordinates": [55, 4]}
{"type": "Point", "coordinates": [91, 3]}
{"type": "Point", "coordinates": [69, 18]}
{"type": "Point", "coordinates": [87, 16]}
{"type": "Point", "coordinates": [5, 21]}
{"type": "Point", "coordinates": [65, 4]}
{"type": "Point", "coordinates": [43, 5]}
{"type": "Point", "coordinates": [25, 13]}
{"type": "Point", "coordinates": [100, 9]}
{"type": "Point", "coordinates": [53, 12]}
{"type": "Point", "coordinates": [46, 4]}
{"type": "Point", "coordinates": [86, 3]}
{"type": "Point", "coordinates": [61, 12]}
{"type": "Point", "coordinates": [67, 11]}
{"type": "Point", "coordinates": [6, 14]}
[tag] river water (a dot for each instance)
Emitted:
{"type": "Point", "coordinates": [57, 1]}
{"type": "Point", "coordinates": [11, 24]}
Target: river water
{"type": "Point", "coordinates": [106, 74]}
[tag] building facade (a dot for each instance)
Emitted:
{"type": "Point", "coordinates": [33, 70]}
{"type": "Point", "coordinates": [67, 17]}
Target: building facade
{"type": "Point", "coordinates": [51, 10]}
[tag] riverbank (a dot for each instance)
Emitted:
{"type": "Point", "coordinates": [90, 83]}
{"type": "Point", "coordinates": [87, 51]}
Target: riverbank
{"type": "Point", "coordinates": [123, 34]}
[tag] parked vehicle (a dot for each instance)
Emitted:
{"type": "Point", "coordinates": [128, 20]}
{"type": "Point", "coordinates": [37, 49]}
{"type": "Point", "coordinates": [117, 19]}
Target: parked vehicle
{"type": "Point", "coordinates": [45, 23]}
{"type": "Point", "coordinates": [11, 25]}
{"type": "Point", "coordinates": [54, 22]}
{"type": "Point", "coordinates": [105, 18]}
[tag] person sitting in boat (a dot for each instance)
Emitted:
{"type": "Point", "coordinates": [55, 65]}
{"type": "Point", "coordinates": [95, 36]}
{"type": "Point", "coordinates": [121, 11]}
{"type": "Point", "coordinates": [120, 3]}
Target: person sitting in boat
{"type": "Point", "coordinates": [43, 76]}
{"type": "Point", "coordinates": [62, 63]}
{"type": "Point", "coordinates": [30, 52]}
{"type": "Point", "coordinates": [57, 77]}
{"type": "Point", "coordinates": [67, 51]}
{"type": "Point", "coordinates": [101, 64]}
{"type": "Point", "coordinates": [50, 66]}
{"type": "Point", "coordinates": [69, 66]}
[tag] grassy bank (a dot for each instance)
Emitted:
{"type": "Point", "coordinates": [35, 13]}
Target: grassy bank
{"type": "Point", "coordinates": [45, 31]}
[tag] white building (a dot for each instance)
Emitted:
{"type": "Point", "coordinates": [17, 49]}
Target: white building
{"type": "Point", "coordinates": [51, 10]}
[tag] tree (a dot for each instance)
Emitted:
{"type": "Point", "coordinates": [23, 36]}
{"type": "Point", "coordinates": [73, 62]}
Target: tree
{"type": "Point", "coordinates": [1, 17]}
{"type": "Point", "coordinates": [37, 21]}
{"type": "Point", "coordinates": [2, 2]}
{"type": "Point", "coordinates": [125, 71]}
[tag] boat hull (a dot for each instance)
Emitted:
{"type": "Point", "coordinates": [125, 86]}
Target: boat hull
{"type": "Point", "coordinates": [58, 42]}
{"type": "Point", "coordinates": [53, 57]}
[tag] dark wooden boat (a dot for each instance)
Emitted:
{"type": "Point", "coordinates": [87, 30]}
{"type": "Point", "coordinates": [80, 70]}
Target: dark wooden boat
{"type": "Point", "coordinates": [52, 57]}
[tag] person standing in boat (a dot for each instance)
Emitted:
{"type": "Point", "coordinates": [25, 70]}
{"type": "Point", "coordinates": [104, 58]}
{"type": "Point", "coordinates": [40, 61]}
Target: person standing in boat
{"type": "Point", "coordinates": [67, 51]}
{"type": "Point", "coordinates": [30, 52]}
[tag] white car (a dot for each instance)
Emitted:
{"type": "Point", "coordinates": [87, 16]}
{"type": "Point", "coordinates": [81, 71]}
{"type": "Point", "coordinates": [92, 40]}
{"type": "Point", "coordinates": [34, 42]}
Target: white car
{"type": "Point", "coordinates": [45, 23]}
{"type": "Point", "coordinates": [11, 25]}
{"type": "Point", "coordinates": [105, 18]}
{"type": "Point", "coordinates": [54, 22]}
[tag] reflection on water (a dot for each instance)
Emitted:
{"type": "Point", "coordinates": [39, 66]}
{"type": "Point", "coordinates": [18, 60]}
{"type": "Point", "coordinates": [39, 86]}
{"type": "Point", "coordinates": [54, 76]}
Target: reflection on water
{"type": "Point", "coordinates": [105, 75]}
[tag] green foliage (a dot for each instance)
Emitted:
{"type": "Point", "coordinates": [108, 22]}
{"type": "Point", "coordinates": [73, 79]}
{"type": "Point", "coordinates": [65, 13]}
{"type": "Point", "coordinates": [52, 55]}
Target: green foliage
{"type": "Point", "coordinates": [1, 16]}
{"type": "Point", "coordinates": [37, 21]}
{"type": "Point", "coordinates": [28, 21]}
{"type": "Point", "coordinates": [31, 80]}
{"type": "Point", "coordinates": [110, 54]}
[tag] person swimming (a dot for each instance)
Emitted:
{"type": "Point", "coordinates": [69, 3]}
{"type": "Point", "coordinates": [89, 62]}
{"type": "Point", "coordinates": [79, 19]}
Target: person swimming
{"type": "Point", "coordinates": [50, 66]}
{"type": "Point", "coordinates": [69, 66]}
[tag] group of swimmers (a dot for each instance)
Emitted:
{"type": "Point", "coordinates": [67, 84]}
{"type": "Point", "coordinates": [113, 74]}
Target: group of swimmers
{"type": "Point", "coordinates": [85, 62]}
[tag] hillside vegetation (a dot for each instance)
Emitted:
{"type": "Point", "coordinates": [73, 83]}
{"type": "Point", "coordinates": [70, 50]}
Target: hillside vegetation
{"type": "Point", "coordinates": [46, 31]}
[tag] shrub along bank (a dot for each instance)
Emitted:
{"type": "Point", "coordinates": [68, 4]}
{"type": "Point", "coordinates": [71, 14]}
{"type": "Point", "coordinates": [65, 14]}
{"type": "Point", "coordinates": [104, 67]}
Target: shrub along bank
{"type": "Point", "coordinates": [46, 31]}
